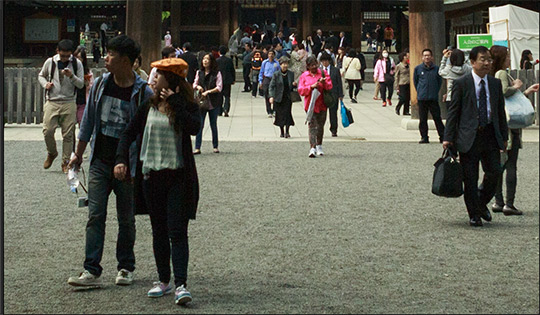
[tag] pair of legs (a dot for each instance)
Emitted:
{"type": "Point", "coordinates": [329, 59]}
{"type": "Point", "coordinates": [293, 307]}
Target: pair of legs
{"type": "Point", "coordinates": [384, 87]}
{"type": "Point", "coordinates": [265, 86]}
{"type": "Point", "coordinates": [377, 90]}
{"type": "Point", "coordinates": [64, 115]}
{"type": "Point", "coordinates": [511, 173]}
{"type": "Point", "coordinates": [212, 114]}
{"type": "Point", "coordinates": [423, 108]}
{"type": "Point", "coordinates": [316, 129]}
{"type": "Point", "coordinates": [246, 69]}
{"type": "Point", "coordinates": [334, 118]}
{"type": "Point", "coordinates": [404, 99]}
{"type": "Point", "coordinates": [254, 82]}
{"type": "Point", "coordinates": [357, 85]}
{"type": "Point", "coordinates": [165, 197]}
{"type": "Point", "coordinates": [227, 99]}
{"type": "Point", "coordinates": [101, 182]}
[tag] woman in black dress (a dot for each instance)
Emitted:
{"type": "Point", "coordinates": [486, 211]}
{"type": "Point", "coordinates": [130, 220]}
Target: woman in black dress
{"type": "Point", "coordinates": [279, 91]}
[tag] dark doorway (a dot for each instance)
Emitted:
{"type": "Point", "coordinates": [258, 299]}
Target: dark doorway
{"type": "Point", "coordinates": [257, 16]}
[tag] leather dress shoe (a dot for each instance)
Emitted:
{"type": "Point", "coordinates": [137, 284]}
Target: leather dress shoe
{"type": "Point", "coordinates": [423, 141]}
{"type": "Point", "coordinates": [475, 221]}
{"type": "Point", "coordinates": [485, 214]}
{"type": "Point", "coordinates": [497, 207]}
{"type": "Point", "coordinates": [511, 210]}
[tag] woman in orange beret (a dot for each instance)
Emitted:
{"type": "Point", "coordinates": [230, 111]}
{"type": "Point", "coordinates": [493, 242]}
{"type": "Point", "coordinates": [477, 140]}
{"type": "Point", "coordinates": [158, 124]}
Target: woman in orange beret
{"type": "Point", "coordinates": [166, 172]}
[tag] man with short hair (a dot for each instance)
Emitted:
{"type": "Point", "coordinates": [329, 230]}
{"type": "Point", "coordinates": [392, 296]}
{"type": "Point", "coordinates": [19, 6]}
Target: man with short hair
{"type": "Point", "coordinates": [268, 67]}
{"type": "Point", "coordinates": [60, 76]}
{"type": "Point", "coordinates": [427, 83]}
{"type": "Point", "coordinates": [318, 41]}
{"type": "Point", "coordinates": [336, 91]}
{"type": "Point", "coordinates": [228, 74]}
{"type": "Point", "coordinates": [112, 103]}
{"type": "Point", "coordinates": [246, 40]}
{"type": "Point", "coordinates": [166, 52]}
{"type": "Point", "coordinates": [332, 42]}
{"type": "Point", "coordinates": [246, 67]}
{"type": "Point", "coordinates": [191, 60]}
{"type": "Point", "coordinates": [342, 41]}
{"type": "Point", "coordinates": [476, 127]}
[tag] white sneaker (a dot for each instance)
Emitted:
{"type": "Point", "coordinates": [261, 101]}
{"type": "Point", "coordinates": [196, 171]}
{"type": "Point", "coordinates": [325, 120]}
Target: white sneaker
{"type": "Point", "coordinates": [86, 279]}
{"type": "Point", "coordinates": [312, 153]}
{"type": "Point", "coordinates": [160, 289]}
{"type": "Point", "coordinates": [124, 277]}
{"type": "Point", "coordinates": [182, 295]}
{"type": "Point", "coordinates": [319, 150]}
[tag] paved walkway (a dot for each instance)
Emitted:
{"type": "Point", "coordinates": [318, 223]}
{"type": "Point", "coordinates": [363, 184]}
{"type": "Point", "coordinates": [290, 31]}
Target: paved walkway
{"type": "Point", "coordinates": [248, 122]}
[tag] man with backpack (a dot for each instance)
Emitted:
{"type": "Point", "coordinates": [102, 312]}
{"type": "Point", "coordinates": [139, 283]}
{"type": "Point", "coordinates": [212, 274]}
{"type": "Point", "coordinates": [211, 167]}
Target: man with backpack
{"type": "Point", "coordinates": [60, 76]}
{"type": "Point", "coordinates": [256, 63]}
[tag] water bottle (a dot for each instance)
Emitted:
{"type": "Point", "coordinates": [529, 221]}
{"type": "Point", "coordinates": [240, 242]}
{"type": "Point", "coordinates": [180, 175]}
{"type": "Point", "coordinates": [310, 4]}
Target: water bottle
{"type": "Point", "coordinates": [73, 177]}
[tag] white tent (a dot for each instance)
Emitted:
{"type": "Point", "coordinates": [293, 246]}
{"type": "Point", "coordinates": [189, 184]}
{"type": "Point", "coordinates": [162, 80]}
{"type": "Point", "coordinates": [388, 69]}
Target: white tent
{"type": "Point", "coordinates": [517, 28]}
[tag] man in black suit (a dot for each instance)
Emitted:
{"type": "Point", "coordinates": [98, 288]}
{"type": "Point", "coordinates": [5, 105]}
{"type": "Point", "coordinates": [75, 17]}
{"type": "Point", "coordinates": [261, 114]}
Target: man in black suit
{"type": "Point", "coordinates": [343, 42]}
{"type": "Point", "coordinates": [476, 127]}
{"type": "Point", "coordinates": [318, 41]}
{"type": "Point", "coordinates": [337, 90]}
{"type": "Point", "coordinates": [191, 60]}
{"type": "Point", "coordinates": [228, 75]}
{"type": "Point", "coordinates": [333, 41]}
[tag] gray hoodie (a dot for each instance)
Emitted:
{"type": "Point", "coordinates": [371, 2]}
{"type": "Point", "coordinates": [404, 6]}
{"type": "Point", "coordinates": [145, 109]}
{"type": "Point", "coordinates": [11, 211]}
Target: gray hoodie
{"type": "Point", "coordinates": [451, 73]}
{"type": "Point", "coordinates": [64, 87]}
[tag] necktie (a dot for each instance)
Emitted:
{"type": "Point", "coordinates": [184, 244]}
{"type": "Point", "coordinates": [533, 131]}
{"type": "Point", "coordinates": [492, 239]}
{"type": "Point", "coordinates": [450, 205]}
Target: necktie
{"type": "Point", "coordinates": [482, 108]}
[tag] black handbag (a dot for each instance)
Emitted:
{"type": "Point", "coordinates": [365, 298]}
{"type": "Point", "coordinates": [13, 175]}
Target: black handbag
{"type": "Point", "coordinates": [328, 98]}
{"type": "Point", "coordinates": [295, 97]}
{"type": "Point", "coordinates": [448, 176]}
{"type": "Point", "coordinates": [202, 101]}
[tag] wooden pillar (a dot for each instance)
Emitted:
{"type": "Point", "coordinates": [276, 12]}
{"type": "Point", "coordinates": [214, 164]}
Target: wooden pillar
{"type": "Point", "coordinates": [423, 13]}
{"type": "Point", "coordinates": [147, 34]}
{"type": "Point", "coordinates": [283, 12]}
{"type": "Point", "coordinates": [176, 21]}
{"type": "Point", "coordinates": [224, 22]}
{"type": "Point", "coordinates": [307, 17]}
{"type": "Point", "coordinates": [356, 13]}
{"type": "Point", "coordinates": [235, 24]}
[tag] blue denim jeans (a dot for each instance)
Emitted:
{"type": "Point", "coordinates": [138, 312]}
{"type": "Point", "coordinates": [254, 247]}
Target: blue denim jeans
{"type": "Point", "coordinates": [101, 182]}
{"type": "Point", "coordinates": [213, 115]}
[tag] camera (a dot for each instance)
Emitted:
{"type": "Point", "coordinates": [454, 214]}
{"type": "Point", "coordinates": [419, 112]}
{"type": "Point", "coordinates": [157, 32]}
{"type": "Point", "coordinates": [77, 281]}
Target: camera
{"type": "Point", "coordinates": [83, 202]}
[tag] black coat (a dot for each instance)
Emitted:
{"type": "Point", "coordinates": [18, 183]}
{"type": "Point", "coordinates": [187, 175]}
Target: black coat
{"type": "Point", "coordinates": [462, 122]}
{"type": "Point", "coordinates": [193, 64]}
{"type": "Point", "coordinates": [334, 41]}
{"type": "Point", "coordinates": [337, 83]}
{"type": "Point", "coordinates": [189, 119]}
{"type": "Point", "coordinates": [317, 44]}
{"type": "Point", "coordinates": [226, 67]}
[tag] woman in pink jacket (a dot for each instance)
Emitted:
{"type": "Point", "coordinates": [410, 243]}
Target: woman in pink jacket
{"type": "Point", "coordinates": [384, 74]}
{"type": "Point", "coordinates": [310, 80]}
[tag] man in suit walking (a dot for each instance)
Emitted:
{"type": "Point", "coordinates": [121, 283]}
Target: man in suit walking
{"type": "Point", "coordinates": [228, 74]}
{"type": "Point", "coordinates": [343, 42]}
{"type": "Point", "coordinates": [337, 90]}
{"type": "Point", "coordinates": [333, 41]}
{"type": "Point", "coordinates": [318, 42]}
{"type": "Point", "coordinates": [191, 60]}
{"type": "Point", "coordinates": [476, 127]}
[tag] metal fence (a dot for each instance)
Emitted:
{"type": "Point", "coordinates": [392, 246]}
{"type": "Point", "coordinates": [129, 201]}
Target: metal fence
{"type": "Point", "coordinates": [24, 97]}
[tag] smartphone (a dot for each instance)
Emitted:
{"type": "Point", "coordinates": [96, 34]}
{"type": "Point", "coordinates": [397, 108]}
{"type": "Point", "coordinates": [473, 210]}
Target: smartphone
{"type": "Point", "coordinates": [449, 47]}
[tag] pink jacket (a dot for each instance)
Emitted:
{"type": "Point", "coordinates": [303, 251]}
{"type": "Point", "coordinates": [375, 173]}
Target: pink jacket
{"type": "Point", "coordinates": [304, 88]}
{"type": "Point", "coordinates": [380, 69]}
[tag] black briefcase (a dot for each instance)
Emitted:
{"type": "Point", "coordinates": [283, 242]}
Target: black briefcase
{"type": "Point", "coordinates": [448, 176]}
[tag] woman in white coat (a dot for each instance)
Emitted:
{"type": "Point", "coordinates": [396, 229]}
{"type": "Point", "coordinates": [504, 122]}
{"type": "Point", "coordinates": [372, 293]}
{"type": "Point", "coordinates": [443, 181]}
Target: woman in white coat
{"type": "Point", "coordinates": [351, 73]}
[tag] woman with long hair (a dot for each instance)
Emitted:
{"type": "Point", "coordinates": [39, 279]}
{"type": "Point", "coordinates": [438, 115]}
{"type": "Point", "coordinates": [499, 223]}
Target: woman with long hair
{"type": "Point", "coordinates": [526, 58]}
{"type": "Point", "coordinates": [351, 73]}
{"type": "Point", "coordinates": [166, 171]}
{"type": "Point", "coordinates": [209, 83]}
{"type": "Point", "coordinates": [384, 74]}
{"type": "Point", "coordinates": [82, 94]}
{"type": "Point", "coordinates": [501, 61]}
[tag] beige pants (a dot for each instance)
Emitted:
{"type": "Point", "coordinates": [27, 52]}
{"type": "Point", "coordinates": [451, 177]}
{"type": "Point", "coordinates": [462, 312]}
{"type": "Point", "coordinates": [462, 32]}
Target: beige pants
{"type": "Point", "coordinates": [64, 115]}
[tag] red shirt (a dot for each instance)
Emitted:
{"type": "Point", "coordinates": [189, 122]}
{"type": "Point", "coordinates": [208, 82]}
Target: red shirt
{"type": "Point", "coordinates": [304, 88]}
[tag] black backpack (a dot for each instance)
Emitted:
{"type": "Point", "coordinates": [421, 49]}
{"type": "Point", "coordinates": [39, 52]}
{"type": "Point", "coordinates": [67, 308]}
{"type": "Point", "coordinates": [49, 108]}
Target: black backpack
{"type": "Point", "coordinates": [75, 68]}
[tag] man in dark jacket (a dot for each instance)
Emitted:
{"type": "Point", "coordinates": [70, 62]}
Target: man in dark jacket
{"type": "Point", "coordinates": [191, 60]}
{"type": "Point", "coordinates": [427, 82]}
{"type": "Point", "coordinates": [333, 41]}
{"type": "Point", "coordinates": [318, 41]}
{"type": "Point", "coordinates": [337, 90]}
{"type": "Point", "coordinates": [246, 67]}
{"type": "Point", "coordinates": [477, 128]}
{"type": "Point", "coordinates": [228, 74]}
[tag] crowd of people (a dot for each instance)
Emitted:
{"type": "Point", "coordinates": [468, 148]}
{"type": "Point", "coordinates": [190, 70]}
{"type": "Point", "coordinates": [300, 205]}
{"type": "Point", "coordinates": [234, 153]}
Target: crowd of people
{"type": "Point", "coordinates": [139, 125]}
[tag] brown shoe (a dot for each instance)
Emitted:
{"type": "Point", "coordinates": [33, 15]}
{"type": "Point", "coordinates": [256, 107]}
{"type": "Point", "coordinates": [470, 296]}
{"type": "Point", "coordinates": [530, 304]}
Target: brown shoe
{"type": "Point", "coordinates": [49, 160]}
{"type": "Point", "coordinates": [65, 167]}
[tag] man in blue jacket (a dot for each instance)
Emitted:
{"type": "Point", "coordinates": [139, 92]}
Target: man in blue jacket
{"type": "Point", "coordinates": [427, 82]}
{"type": "Point", "coordinates": [112, 103]}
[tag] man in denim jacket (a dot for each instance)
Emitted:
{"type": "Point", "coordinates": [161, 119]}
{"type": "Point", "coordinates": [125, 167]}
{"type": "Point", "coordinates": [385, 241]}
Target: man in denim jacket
{"type": "Point", "coordinates": [112, 103]}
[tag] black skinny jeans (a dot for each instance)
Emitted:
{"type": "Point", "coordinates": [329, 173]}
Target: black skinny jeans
{"type": "Point", "coordinates": [165, 199]}
{"type": "Point", "coordinates": [357, 85]}
{"type": "Point", "coordinates": [386, 86]}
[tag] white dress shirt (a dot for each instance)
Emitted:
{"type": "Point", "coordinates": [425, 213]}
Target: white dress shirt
{"type": "Point", "coordinates": [477, 86]}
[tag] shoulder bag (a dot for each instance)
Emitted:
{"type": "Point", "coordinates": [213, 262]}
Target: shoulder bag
{"type": "Point", "coordinates": [519, 110]}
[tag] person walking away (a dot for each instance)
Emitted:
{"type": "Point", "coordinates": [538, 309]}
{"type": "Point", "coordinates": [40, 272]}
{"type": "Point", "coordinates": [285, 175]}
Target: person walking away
{"type": "Point", "coordinates": [268, 67]}
{"type": "Point", "coordinates": [337, 90]}
{"type": "Point", "coordinates": [476, 128]}
{"type": "Point", "coordinates": [60, 76]}
{"type": "Point", "coordinates": [501, 61]}
{"type": "Point", "coordinates": [112, 103]}
{"type": "Point", "coordinates": [333, 41]}
{"type": "Point", "coordinates": [453, 67]}
{"type": "Point", "coordinates": [246, 67]}
{"type": "Point", "coordinates": [427, 82]}
{"type": "Point", "coordinates": [279, 92]}
{"type": "Point", "coordinates": [103, 33]}
{"type": "Point", "coordinates": [388, 37]}
{"type": "Point", "coordinates": [256, 63]}
{"type": "Point", "coordinates": [352, 67]}
{"type": "Point", "coordinates": [168, 39]}
{"type": "Point", "coordinates": [96, 54]}
{"type": "Point", "coordinates": [380, 38]}
{"type": "Point", "coordinates": [402, 83]}
{"type": "Point", "coordinates": [226, 67]}
{"type": "Point", "coordinates": [138, 70]}
{"type": "Point", "coordinates": [310, 80]}
{"type": "Point", "coordinates": [209, 82]}
{"type": "Point", "coordinates": [363, 67]}
{"type": "Point", "coordinates": [82, 94]}
{"type": "Point", "coordinates": [191, 59]}
{"type": "Point", "coordinates": [384, 74]}
{"type": "Point", "coordinates": [167, 177]}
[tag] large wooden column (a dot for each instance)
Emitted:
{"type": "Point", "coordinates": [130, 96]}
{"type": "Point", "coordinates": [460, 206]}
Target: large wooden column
{"type": "Point", "coordinates": [307, 17]}
{"type": "Point", "coordinates": [426, 30]}
{"type": "Point", "coordinates": [143, 24]}
{"type": "Point", "coordinates": [224, 22]}
{"type": "Point", "coordinates": [356, 14]}
{"type": "Point", "coordinates": [176, 19]}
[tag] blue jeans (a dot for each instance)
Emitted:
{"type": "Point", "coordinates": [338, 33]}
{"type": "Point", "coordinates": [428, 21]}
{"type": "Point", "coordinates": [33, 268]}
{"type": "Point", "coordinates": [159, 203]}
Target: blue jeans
{"type": "Point", "coordinates": [101, 182]}
{"type": "Point", "coordinates": [212, 114]}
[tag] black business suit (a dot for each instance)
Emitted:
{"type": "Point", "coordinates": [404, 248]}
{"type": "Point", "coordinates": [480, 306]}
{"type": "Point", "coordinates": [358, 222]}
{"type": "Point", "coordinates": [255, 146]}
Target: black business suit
{"type": "Point", "coordinates": [193, 64]}
{"type": "Point", "coordinates": [337, 92]}
{"type": "Point", "coordinates": [226, 67]}
{"type": "Point", "coordinates": [476, 144]}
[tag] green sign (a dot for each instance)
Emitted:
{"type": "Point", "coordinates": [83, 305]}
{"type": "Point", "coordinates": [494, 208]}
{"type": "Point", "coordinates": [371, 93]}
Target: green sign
{"type": "Point", "coordinates": [467, 42]}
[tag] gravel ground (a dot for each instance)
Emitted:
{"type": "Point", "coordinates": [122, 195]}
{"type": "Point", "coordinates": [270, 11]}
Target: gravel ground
{"type": "Point", "coordinates": [356, 231]}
